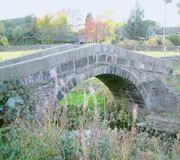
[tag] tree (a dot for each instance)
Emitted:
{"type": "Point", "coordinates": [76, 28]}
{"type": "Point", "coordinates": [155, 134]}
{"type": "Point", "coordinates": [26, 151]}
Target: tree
{"type": "Point", "coordinates": [17, 33]}
{"type": "Point", "coordinates": [151, 23]}
{"type": "Point", "coordinates": [95, 30]}
{"type": "Point", "coordinates": [8, 27]}
{"type": "Point", "coordinates": [44, 28]}
{"type": "Point", "coordinates": [136, 28]}
{"type": "Point", "coordinates": [89, 27]}
{"type": "Point", "coordinates": [1, 28]}
{"type": "Point", "coordinates": [62, 31]}
{"type": "Point", "coordinates": [29, 28]}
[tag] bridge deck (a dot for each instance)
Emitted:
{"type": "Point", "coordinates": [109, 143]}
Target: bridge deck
{"type": "Point", "coordinates": [106, 54]}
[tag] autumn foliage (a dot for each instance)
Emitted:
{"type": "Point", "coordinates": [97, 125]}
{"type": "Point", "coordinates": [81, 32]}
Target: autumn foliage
{"type": "Point", "coordinates": [95, 30]}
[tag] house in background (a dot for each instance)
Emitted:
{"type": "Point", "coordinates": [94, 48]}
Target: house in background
{"type": "Point", "coordinates": [152, 31]}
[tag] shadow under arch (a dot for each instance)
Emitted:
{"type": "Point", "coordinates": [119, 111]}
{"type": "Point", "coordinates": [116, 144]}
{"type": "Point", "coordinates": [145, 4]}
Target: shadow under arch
{"type": "Point", "coordinates": [120, 81]}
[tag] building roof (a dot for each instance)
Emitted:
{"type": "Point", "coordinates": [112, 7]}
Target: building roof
{"type": "Point", "coordinates": [169, 30]}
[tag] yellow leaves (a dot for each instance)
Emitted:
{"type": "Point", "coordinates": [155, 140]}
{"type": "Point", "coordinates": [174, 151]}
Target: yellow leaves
{"type": "Point", "coordinates": [153, 40]}
{"type": "Point", "coordinates": [46, 20]}
{"type": "Point", "coordinates": [60, 19]}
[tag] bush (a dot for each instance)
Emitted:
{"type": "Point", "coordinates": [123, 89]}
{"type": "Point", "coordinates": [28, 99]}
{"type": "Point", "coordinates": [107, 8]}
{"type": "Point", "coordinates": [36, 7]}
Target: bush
{"type": "Point", "coordinates": [4, 41]}
{"type": "Point", "coordinates": [129, 44]}
{"type": "Point", "coordinates": [155, 40]}
{"type": "Point", "coordinates": [15, 101]}
{"type": "Point", "coordinates": [174, 39]}
{"type": "Point", "coordinates": [45, 140]}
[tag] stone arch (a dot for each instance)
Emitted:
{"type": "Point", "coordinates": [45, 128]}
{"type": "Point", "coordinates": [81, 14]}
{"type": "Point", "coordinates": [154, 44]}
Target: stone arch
{"type": "Point", "coordinates": [122, 81]}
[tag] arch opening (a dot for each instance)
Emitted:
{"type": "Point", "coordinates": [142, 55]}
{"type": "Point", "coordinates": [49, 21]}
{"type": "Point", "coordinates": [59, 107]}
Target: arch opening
{"type": "Point", "coordinates": [122, 88]}
{"type": "Point", "coordinates": [120, 82]}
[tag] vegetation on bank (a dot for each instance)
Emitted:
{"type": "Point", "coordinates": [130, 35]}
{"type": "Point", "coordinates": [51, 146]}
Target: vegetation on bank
{"type": "Point", "coordinates": [86, 128]}
{"type": "Point", "coordinates": [45, 139]}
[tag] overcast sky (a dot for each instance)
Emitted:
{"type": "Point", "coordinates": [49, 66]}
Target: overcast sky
{"type": "Point", "coordinates": [154, 9]}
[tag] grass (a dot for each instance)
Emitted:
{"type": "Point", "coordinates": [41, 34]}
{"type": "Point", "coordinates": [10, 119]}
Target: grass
{"type": "Point", "coordinates": [47, 138]}
{"type": "Point", "coordinates": [78, 99]}
{"type": "Point", "coordinates": [158, 54]}
{"type": "Point", "coordinates": [8, 55]}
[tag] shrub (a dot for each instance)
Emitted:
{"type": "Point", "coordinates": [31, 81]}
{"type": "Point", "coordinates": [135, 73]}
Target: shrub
{"type": "Point", "coordinates": [174, 39]}
{"type": "Point", "coordinates": [153, 40]}
{"type": "Point", "coordinates": [46, 140]}
{"type": "Point", "coordinates": [15, 101]}
{"type": "Point", "coordinates": [129, 44]}
{"type": "Point", "coordinates": [4, 41]}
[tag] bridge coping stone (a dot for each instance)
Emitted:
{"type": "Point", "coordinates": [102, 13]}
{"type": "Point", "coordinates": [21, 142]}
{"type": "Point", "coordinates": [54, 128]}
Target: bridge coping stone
{"type": "Point", "coordinates": [38, 54]}
{"type": "Point", "coordinates": [97, 50]}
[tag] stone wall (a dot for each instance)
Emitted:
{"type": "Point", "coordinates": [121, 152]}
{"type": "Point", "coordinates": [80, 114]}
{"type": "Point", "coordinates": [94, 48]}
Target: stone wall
{"type": "Point", "coordinates": [38, 54]}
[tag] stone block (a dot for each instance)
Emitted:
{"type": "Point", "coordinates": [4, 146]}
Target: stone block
{"type": "Point", "coordinates": [109, 59]}
{"type": "Point", "coordinates": [102, 58]}
{"type": "Point", "coordinates": [68, 66]}
{"type": "Point", "coordinates": [92, 59]}
{"type": "Point", "coordinates": [81, 63]}
{"type": "Point", "coordinates": [121, 61]}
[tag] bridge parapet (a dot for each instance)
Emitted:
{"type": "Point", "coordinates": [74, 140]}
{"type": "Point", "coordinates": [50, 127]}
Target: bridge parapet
{"type": "Point", "coordinates": [38, 54]}
{"type": "Point", "coordinates": [87, 55]}
{"type": "Point", "coordinates": [123, 71]}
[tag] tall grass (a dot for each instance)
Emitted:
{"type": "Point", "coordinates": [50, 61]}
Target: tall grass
{"type": "Point", "coordinates": [52, 137]}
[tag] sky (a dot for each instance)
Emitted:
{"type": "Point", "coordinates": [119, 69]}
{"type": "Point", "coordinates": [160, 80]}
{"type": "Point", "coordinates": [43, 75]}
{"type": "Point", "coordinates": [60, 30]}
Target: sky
{"type": "Point", "coordinates": [153, 9]}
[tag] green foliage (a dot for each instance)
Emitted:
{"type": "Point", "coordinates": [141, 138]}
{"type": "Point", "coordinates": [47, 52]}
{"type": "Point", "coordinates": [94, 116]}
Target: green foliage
{"type": "Point", "coordinates": [31, 140]}
{"type": "Point", "coordinates": [31, 30]}
{"type": "Point", "coordinates": [18, 33]}
{"type": "Point", "coordinates": [15, 102]}
{"type": "Point", "coordinates": [136, 28]}
{"type": "Point", "coordinates": [3, 41]}
{"type": "Point", "coordinates": [151, 23]}
{"type": "Point", "coordinates": [155, 40]}
{"type": "Point", "coordinates": [1, 28]}
{"type": "Point", "coordinates": [44, 29]}
{"type": "Point", "coordinates": [8, 29]}
{"type": "Point", "coordinates": [75, 99]}
{"type": "Point", "coordinates": [174, 39]}
{"type": "Point", "coordinates": [53, 137]}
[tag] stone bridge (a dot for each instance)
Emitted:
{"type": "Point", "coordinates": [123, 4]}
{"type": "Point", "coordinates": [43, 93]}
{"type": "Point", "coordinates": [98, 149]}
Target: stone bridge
{"type": "Point", "coordinates": [52, 72]}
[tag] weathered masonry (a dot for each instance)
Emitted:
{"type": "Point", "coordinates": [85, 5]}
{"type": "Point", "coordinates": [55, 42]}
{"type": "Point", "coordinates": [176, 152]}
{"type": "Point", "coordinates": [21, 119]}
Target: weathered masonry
{"type": "Point", "coordinates": [51, 73]}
